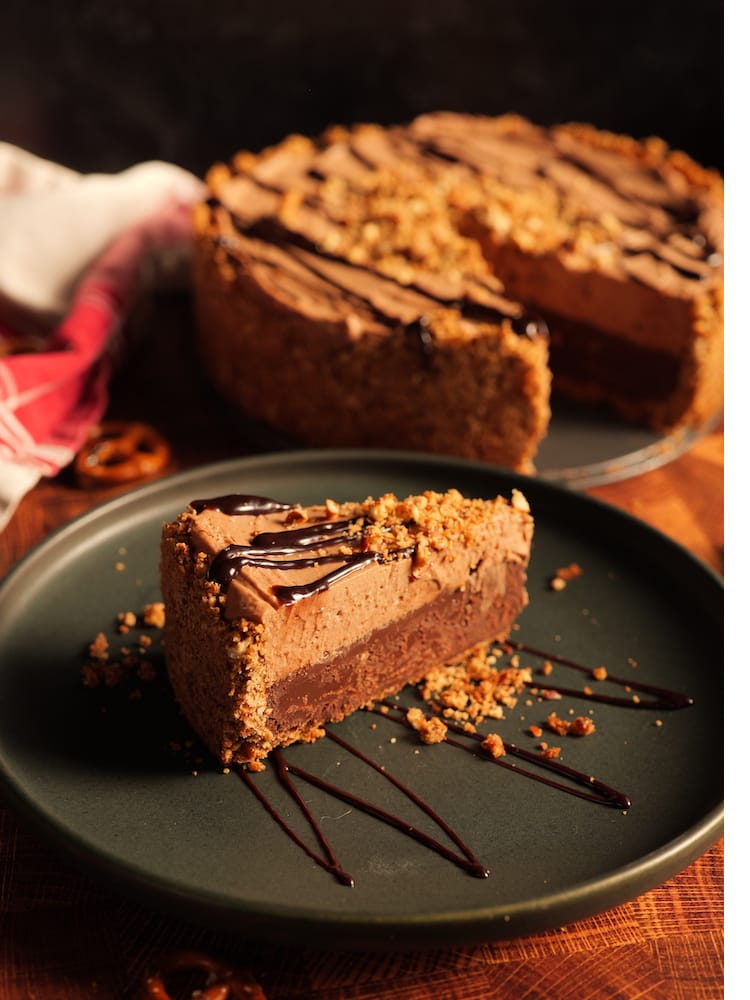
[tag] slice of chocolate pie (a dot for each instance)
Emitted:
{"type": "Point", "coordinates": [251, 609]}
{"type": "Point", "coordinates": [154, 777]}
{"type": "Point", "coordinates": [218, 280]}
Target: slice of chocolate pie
{"type": "Point", "coordinates": [280, 618]}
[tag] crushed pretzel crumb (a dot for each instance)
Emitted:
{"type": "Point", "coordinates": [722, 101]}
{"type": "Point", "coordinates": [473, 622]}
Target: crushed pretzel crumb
{"type": "Point", "coordinates": [556, 724]}
{"type": "Point", "coordinates": [582, 725]}
{"type": "Point", "coordinates": [99, 647]}
{"type": "Point", "coordinates": [475, 687]}
{"type": "Point", "coordinates": [494, 745]}
{"type": "Point", "coordinates": [431, 730]}
{"type": "Point", "coordinates": [429, 522]}
{"type": "Point", "coordinates": [153, 615]}
{"type": "Point", "coordinates": [125, 621]}
{"type": "Point", "coordinates": [101, 669]}
{"type": "Point", "coordinates": [295, 515]}
{"type": "Point", "coordinates": [569, 572]}
{"type": "Point", "coordinates": [563, 575]}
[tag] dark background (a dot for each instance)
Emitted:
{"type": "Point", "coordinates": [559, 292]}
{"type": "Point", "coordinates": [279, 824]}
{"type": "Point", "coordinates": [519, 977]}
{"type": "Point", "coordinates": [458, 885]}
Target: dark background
{"type": "Point", "coordinates": [100, 85]}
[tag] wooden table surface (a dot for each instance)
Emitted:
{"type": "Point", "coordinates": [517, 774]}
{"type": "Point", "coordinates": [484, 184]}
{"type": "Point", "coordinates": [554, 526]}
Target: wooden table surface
{"type": "Point", "coordinates": [63, 935]}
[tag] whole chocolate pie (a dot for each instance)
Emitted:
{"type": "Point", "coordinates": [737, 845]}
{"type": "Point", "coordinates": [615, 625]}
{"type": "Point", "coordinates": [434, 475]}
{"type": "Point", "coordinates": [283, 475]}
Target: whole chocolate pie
{"type": "Point", "coordinates": [423, 286]}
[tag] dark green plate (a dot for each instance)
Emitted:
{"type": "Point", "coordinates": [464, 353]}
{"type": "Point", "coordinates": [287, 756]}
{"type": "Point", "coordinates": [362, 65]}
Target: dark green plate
{"type": "Point", "coordinates": [106, 789]}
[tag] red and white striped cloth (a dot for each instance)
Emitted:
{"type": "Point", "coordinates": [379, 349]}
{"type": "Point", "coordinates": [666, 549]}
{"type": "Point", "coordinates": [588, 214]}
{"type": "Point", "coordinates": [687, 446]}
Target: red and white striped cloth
{"type": "Point", "coordinates": [73, 255]}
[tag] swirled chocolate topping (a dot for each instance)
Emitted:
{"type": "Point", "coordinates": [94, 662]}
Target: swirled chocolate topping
{"type": "Point", "coordinates": [642, 189]}
{"type": "Point", "coordinates": [264, 551]}
{"type": "Point", "coordinates": [321, 279]}
{"type": "Point", "coordinates": [384, 225]}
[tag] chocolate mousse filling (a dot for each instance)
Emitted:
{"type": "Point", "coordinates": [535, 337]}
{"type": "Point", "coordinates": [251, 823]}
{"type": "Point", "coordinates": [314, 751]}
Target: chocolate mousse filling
{"type": "Point", "coordinates": [583, 354]}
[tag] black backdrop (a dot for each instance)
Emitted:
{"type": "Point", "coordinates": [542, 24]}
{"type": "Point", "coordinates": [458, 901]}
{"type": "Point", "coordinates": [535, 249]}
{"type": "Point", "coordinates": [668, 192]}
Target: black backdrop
{"type": "Point", "coordinates": [100, 85]}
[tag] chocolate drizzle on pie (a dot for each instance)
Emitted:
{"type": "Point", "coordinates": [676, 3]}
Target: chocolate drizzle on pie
{"type": "Point", "coordinates": [592, 181]}
{"type": "Point", "coordinates": [241, 503]}
{"type": "Point", "coordinates": [267, 549]}
{"type": "Point", "coordinates": [491, 308]}
{"type": "Point", "coordinates": [419, 333]}
{"type": "Point", "coordinates": [640, 195]}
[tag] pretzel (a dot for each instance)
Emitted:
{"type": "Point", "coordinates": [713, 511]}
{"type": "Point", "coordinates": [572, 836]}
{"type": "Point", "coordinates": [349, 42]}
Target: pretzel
{"type": "Point", "coordinates": [120, 452]}
{"type": "Point", "coordinates": [221, 982]}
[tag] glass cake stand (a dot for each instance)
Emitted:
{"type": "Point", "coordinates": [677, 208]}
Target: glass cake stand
{"type": "Point", "coordinates": [585, 446]}
{"type": "Point", "coordinates": [588, 447]}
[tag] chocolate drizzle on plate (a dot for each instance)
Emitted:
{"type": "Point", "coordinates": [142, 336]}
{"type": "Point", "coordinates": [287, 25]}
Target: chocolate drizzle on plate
{"type": "Point", "coordinates": [595, 790]}
{"type": "Point", "coordinates": [661, 697]}
{"type": "Point", "coordinates": [464, 858]}
{"type": "Point", "coordinates": [328, 859]}
{"type": "Point", "coordinates": [566, 779]}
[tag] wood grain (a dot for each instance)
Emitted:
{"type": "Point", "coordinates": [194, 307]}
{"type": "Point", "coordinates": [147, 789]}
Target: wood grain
{"type": "Point", "coordinates": [64, 937]}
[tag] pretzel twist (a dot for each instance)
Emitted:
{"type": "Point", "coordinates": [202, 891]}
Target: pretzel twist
{"type": "Point", "coordinates": [221, 983]}
{"type": "Point", "coordinates": [120, 452]}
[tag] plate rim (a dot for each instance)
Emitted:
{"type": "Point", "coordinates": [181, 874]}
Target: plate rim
{"type": "Point", "coordinates": [370, 456]}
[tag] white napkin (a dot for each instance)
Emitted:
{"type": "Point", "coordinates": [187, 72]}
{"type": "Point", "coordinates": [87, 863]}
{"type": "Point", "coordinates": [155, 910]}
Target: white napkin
{"type": "Point", "coordinates": [73, 249]}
